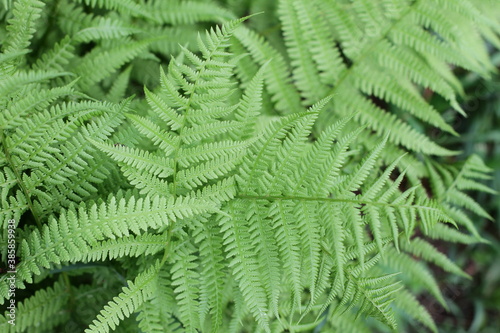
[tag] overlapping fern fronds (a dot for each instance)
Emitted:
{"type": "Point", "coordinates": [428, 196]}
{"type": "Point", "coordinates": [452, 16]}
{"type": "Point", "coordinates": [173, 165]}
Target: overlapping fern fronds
{"type": "Point", "coordinates": [98, 44]}
{"type": "Point", "coordinates": [302, 215]}
{"type": "Point", "coordinates": [188, 112]}
{"type": "Point", "coordinates": [450, 185]}
{"type": "Point", "coordinates": [376, 58]}
{"type": "Point", "coordinates": [251, 185]}
{"type": "Point", "coordinates": [297, 223]}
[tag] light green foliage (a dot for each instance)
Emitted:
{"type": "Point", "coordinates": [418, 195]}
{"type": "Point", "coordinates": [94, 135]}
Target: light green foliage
{"type": "Point", "coordinates": [257, 183]}
{"type": "Point", "coordinates": [366, 51]}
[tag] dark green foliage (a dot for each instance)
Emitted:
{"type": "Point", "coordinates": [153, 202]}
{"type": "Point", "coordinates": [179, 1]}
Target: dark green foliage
{"type": "Point", "coordinates": [172, 168]}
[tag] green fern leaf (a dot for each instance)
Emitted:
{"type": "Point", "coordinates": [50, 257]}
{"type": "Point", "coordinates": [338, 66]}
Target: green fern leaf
{"type": "Point", "coordinates": [127, 302]}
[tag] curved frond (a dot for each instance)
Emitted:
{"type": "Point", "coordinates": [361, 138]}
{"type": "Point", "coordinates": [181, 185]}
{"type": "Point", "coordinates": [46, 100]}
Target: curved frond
{"type": "Point", "coordinates": [127, 302]}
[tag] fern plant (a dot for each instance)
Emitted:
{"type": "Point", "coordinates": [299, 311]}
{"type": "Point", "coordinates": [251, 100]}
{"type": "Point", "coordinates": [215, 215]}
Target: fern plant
{"type": "Point", "coordinates": [375, 58]}
{"type": "Point", "coordinates": [224, 198]}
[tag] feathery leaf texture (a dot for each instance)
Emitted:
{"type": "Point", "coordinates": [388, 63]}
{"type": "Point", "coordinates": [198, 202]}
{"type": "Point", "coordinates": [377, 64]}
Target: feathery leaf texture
{"type": "Point", "coordinates": [269, 179]}
{"type": "Point", "coordinates": [127, 302]}
{"type": "Point", "coordinates": [375, 57]}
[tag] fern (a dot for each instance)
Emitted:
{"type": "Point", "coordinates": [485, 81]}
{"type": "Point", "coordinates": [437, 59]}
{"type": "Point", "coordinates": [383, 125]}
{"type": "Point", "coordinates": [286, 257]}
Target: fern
{"type": "Point", "coordinates": [413, 42]}
{"type": "Point", "coordinates": [136, 293]}
{"type": "Point", "coordinates": [374, 301]}
{"type": "Point", "coordinates": [324, 202]}
{"type": "Point", "coordinates": [277, 175]}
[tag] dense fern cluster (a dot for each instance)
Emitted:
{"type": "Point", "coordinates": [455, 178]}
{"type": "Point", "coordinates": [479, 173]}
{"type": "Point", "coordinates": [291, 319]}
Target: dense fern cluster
{"type": "Point", "coordinates": [277, 175]}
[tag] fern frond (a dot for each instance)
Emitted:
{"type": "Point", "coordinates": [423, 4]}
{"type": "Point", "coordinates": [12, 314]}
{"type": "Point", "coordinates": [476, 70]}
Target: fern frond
{"type": "Point", "coordinates": [423, 249]}
{"type": "Point", "coordinates": [69, 238]}
{"type": "Point", "coordinates": [58, 57]}
{"type": "Point", "coordinates": [409, 304]}
{"type": "Point", "coordinates": [287, 241]}
{"type": "Point", "coordinates": [127, 302]}
{"type": "Point", "coordinates": [212, 274]}
{"type": "Point", "coordinates": [185, 283]}
{"type": "Point", "coordinates": [373, 299]}
{"type": "Point", "coordinates": [267, 180]}
{"type": "Point", "coordinates": [449, 185]}
{"type": "Point", "coordinates": [152, 318]}
{"type": "Point", "coordinates": [189, 12]}
{"type": "Point", "coordinates": [320, 42]}
{"type": "Point", "coordinates": [21, 79]}
{"type": "Point", "coordinates": [96, 65]}
{"type": "Point", "coordinates": [277, 77]}
{"type": "Point", "coordinates": [104, 28]}
{"type": "Point", "coordinates": [127, 7]}
{"type": "Point", "coordinates": [412, 45]}
{"type": "Point", "coordinates": [158, 314]}
{"type": "Point", "coordinates": [33, 102]}
{"type": "Point", "coordinates": [128, 246]}
{"type": "Point", "coordinates": [305, 73]}
{"type": "Point", "coordinates": [329, 216]}
{"type": "Point", "coordinates": [137, 159]}
{"type": "Point", "coordinates": [193, 116]}
{"type": "Point", "coordinates": [414, 271]}
{"type": "Point", "coordinates": [49, 149]}
{"type": "Point", "coordinates": [243, 261]}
